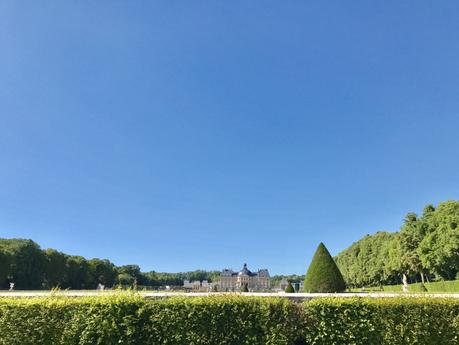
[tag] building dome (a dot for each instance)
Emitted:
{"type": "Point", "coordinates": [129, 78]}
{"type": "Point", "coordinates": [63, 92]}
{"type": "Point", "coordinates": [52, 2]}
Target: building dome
{"type": "Point", "coordinates": [245, 271]}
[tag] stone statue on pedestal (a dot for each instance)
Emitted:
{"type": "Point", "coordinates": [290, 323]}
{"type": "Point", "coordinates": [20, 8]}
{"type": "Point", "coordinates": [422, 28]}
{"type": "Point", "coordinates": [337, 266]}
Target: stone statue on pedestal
{"type": "Point", "coordinates": [405, 283]}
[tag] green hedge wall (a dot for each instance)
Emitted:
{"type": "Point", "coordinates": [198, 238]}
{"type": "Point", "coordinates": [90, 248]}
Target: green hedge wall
{"type": "Point", "coordinates": [122, 319]}
{"type": "Point", "coordinates": [391, 321]}
{"type": "Point", "coordinates": [130, 319]}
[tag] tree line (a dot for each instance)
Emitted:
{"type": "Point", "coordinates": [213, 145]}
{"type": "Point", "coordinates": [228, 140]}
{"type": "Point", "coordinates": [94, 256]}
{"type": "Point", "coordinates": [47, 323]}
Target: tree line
{"type": "Point", "coordinates": [425, 248]}
{"type": "Point", "coordinates": [29, 267]}
{"type": "Point", "coordinates": [291, 278]}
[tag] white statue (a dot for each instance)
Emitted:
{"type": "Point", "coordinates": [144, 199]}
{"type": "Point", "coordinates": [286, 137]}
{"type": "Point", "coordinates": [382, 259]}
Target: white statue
{"type": "Point", "coordinates": [11, 286]}
{"type": "Point", "coordinates": [405, 283]}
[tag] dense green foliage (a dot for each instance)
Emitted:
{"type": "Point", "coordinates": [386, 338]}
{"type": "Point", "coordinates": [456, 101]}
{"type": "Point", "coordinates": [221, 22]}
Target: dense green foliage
{"type": "Point", "coordinates": [400, 321]}
{"type": "Point", "coordinates": [425, 248]}
{"type": "Point", "coordinates": [132, 320]}
{"type": "Point", "coordinates": [29, 267]}
{"type": "Point", "coordinates": [323, 275]}
{"type": "Point", "coordinates": [289, 288]}
{"type": "Point", "coordinates": [369, 261]}
{"type": "Point", "coordinates": [228, 320]}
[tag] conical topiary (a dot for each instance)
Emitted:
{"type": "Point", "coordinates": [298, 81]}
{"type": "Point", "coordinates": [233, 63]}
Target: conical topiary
{"type": "Point", "coordinates": [323, 275]}
{"type": "Point", "coordinates": [289, 288]}
{"type": "Point", "coordinates": [244, 288]}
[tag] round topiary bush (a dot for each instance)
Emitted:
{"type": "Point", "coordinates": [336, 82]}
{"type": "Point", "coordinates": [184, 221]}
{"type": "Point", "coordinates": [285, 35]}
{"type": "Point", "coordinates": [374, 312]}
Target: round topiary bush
{"type": "Point", "coordinates": [289, 288]}
{"type": "Point", "coordinates": [323, 275]}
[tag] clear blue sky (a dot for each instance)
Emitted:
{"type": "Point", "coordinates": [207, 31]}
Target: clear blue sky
{"type": "Point", "coordinates": [205, 134]}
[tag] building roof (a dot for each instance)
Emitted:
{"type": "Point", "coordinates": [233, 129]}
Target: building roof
{"type": "Point", "coordinates": [244, 272]}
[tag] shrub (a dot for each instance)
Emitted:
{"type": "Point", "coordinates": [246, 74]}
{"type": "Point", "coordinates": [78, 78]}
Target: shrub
{"type": "Point", "coordinates": [323, 275]}
{"type": "Point", "coordinates": [60, 320]}
{"type": "Point", "coordinates": [228, 320]}
{"type": "Point", "coordinates": [125, 319]}
{"type": "Point", "coordinates": [384, 321]}
{"type": "Point", "coordinates": [222, 320]}
{"type": "Point", "coordinates": [244, 288]}
{"type": "Point", "coordinates": [289, 288]}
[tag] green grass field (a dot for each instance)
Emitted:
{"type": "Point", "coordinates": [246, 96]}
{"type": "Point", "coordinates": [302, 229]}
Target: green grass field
{"type": "Point", "coordinates": [450, 286]}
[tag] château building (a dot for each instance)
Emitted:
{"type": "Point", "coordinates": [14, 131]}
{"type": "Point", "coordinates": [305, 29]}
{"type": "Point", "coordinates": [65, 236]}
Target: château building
{"type": "Point", "coordinates": [231, 281]}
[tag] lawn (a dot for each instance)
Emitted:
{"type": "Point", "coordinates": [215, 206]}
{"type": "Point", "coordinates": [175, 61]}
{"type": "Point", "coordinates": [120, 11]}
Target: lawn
{"type": "Point", "coordinates": [450, 286]}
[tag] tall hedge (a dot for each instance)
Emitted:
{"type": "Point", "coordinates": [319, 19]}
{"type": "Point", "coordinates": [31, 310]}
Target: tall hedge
{"type": "Point", "coordinates": [289, 288]}
{"type": "Point", "coordinates": [323, 275]}
{"type": "Point", "coordinates": [225, 320]}
{"type": "Point", "coordinates": [228, 320]}
{"type": "Point", "coordinates": [383, 321]}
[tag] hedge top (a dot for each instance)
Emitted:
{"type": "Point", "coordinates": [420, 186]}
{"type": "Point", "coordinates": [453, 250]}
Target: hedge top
{"type": "Point", "coordinates": [323, 275]}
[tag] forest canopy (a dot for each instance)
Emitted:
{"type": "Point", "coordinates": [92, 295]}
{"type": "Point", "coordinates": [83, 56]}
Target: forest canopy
{"type": "Point", "coordinates": [425, 248]}
{"type": "Point", "coordinates": [29, 267]}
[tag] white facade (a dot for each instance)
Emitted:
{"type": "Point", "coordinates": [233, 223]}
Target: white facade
{"type": "Point", "coordinates": [191, 285]}
{"type": "Point", "coordinates": [198, 285]}
{"type": "Point", "coordinates": [231, 281]}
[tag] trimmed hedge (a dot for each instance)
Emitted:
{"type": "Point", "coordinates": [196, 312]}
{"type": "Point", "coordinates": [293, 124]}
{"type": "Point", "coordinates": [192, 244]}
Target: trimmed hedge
{"type": "Point", "coordinates": [323, 275]}
{"type": "Point", "coordinates": [388, 321]}
{"type": "Point", "coordinates": [126, 319]}
{"type": "Point", "coordinates": [289, 288]}
{"type": "Point", "coordinates": [123, 319]}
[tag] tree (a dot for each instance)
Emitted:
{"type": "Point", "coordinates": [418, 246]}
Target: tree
{"type": "Point", "coordinates": [102, 271]}
{"type": "Point", "coordinates": [439, 249]}
{"type": "Point", "coordinates": [29, 267]}
{"type": "Point", "coordinates": [425, 247]}
{"type": "Point", "coordinates": [78, 273]}
{"type": "Point", "coordinates": [323, 275]}
{"type": "Point", "coordinates": [27, 264]}
{"type": "Point", "coordinates": [125, 279]}
{"type": "Point", "coordinates": [371, 261]}
{"type": "Point", "coordinates": [289, 288]}
{"type": "Point", "coordinates": [410, 236]}
{"type": "Point", "coordinates": [5, 262]}
{"type": "Point", "coordinates": [130, 274]}
{"type": "Point", "coordinates": [244, 288]}
{"type": "Point", "coordinates": [56, 269]}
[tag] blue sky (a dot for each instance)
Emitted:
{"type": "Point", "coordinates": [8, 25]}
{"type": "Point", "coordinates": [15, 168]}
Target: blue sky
{"type": "Point", "coordinates": [204, 134]}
